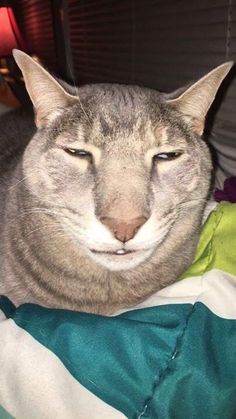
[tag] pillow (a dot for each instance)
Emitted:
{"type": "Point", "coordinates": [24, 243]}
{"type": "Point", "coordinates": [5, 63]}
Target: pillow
{"type": "Point", "coordinates": [171, 357]}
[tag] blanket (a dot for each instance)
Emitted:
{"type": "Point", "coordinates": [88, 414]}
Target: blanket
{"type": "Point", "coordinates": [171, 357]}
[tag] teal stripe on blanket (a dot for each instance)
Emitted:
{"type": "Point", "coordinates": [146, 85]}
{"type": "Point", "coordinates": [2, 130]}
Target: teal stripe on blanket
{"type": "Point", "coordinates": [116, 358]}
{"type": "Point", "coordinates": [4, 414]}
{"type": "Point", "coordinates": [163, 362]}
{"type": "Point", "coordinates": [6, 306]}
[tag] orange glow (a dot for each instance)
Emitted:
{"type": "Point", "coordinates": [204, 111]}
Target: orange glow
{"type": "Point", "coordinates": [10, 36]}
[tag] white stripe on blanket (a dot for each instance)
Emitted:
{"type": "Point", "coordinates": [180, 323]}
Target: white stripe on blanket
{"type": "Point", "coordinates": [2, 316]}
{"type": "Point", "coordinates": [51, 391]}
{"type": "Point", "coordinates": [216, 289]}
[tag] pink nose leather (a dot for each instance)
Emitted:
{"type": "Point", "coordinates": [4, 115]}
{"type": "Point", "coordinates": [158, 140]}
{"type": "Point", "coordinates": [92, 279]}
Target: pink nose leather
{"type": "Point", "coordinates": [123, 230]}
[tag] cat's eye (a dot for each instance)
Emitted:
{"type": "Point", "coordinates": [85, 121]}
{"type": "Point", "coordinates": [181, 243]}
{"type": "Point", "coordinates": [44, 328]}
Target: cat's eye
{"type": "Point", "coordinates": [78, 153]}
{"type": "Point", "coordinates": [167, 156]}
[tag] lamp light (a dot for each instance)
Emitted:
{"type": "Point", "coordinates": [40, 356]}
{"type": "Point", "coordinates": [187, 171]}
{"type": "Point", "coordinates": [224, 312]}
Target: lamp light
{"type": "Point", "coordinates": [10, 36]}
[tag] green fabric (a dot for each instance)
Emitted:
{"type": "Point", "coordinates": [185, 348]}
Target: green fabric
{"type": "Point", "coordinates": [217, 244]}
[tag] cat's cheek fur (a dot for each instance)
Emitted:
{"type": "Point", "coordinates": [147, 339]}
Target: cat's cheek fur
{"type": "Point", "coordinates": [59, 179]}
{"type": "Point", "coordinates": [91, 234]}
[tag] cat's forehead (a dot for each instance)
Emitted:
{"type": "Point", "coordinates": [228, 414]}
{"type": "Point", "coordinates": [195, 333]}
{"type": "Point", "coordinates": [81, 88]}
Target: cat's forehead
{"type": "Point", "coordinates": [140, 132]}
{"type": "Point", "coordinates": [110, 114]}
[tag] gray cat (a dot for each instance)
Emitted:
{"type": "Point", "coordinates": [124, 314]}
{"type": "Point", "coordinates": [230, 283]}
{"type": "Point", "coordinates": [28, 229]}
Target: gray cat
{"type": "Point", "coordinates": [103, 206]}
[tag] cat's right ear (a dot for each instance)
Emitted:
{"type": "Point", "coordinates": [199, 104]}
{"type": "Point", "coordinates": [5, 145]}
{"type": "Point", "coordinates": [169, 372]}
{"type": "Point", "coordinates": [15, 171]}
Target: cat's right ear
{"type": "Point", "coordinates": [194, 102]}
{"type": "Point", "coordinates": [47, 95]}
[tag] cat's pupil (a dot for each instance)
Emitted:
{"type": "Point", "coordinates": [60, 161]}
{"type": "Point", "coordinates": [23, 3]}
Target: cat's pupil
{"type": "Point", "coordinates": [167, 156]}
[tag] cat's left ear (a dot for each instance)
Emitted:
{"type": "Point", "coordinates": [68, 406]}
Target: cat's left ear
{"type": "Point", "coordinates": [47, 95]}
{"type": "Point", "coordinates": [195, 102]}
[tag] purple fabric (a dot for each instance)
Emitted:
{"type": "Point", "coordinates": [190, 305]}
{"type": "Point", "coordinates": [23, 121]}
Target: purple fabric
{"type": "Point", "coordinates": [229, 191]}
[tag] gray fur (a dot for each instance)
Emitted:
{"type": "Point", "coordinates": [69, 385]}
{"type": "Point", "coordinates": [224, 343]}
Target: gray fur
{"type": "Point", "coordinates": [47, 199]}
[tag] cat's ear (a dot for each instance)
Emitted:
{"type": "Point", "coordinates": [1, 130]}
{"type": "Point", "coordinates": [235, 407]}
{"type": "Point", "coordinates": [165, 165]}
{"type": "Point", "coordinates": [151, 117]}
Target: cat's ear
{"type": "Point", "coordinates": [48, 96]}
{"type": "Point", "coordinates": [195, 102]}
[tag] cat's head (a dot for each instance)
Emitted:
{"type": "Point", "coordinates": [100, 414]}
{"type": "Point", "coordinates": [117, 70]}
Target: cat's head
{"type": "Point", "coordinates": [117, 164]}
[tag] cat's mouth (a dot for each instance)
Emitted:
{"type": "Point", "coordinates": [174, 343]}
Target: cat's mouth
{"type": "Point", "coordinates": [120, 259]}
{"type": "Point", "coordinates": [119, 252]}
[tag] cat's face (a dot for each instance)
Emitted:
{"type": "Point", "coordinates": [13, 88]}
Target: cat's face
{"type": "Point", "coordinates": [116, 167]}
{"type": "Point", "coordinates": [129, 159]}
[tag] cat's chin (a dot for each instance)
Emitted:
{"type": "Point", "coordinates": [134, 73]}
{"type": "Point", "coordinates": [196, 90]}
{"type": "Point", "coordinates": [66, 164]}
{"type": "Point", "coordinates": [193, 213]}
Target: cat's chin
{"type": "Point", "coordinates": [120, 262]}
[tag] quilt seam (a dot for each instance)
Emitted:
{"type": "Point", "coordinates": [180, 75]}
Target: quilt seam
{"type": "Point", "coordinates": [179, 339]}
{"type": "Point", "coordinates": [166, 369]}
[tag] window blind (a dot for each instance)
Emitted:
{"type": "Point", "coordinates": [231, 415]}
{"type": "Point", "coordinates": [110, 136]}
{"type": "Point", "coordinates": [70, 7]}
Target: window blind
{"type": "Point", "coordinates": [161, 44]}
{"type": "Point", "coordinates": [223, 135]}
{"type": "Point", "coordinates": [101, 37]}
{"type": "Point", "coordinates": [36, 23]}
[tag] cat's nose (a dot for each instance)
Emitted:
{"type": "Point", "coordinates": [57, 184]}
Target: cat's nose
{"type": "Point", "coordinates": [124, 230]}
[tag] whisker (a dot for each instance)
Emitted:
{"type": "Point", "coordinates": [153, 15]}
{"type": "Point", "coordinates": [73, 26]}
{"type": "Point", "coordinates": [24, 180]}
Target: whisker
{"type": "Point", "coordinates": [19, 181]}
{"type": "Point", "coordinates": [77, 92]}
{"type": "Point", "coordinates": [56, 230]}
{"type": "Point", "coordinates": [38, 210]}
{"type": "Point", "coordinates": [53, 210]}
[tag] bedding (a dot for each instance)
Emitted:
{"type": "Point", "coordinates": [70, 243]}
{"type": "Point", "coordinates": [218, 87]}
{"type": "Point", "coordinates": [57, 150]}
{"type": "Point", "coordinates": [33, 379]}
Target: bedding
{"type": "Point", "coordinates": [171, 357]}
{"type": "Point", "coordinates": [8, 100]}
{"type": "Point", "coordinates": [229, 191]}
